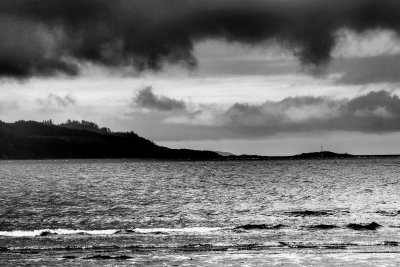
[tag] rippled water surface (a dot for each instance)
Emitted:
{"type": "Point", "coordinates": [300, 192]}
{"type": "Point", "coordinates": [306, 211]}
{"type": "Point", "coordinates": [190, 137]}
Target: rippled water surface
{"type": "Point", "coordinates": [130, 208]}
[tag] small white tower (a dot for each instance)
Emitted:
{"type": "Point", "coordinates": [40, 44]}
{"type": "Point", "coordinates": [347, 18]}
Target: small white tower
{"type": "Point", "coordinates": [322, 152]}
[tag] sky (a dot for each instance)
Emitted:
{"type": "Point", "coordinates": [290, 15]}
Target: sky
{"type": "Point", "coordinates": [263, 77]}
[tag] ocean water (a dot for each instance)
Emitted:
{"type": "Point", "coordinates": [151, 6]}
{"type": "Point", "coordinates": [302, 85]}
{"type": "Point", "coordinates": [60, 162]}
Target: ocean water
{"type": "Point", "coordinates": [208, 213]}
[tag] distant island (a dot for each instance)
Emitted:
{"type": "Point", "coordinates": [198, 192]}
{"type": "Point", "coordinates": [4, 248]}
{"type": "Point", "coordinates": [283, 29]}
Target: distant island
{"type": "Point", "coordinates": [84, 139]}
{"type": "Point", "coordinates": [322, 155]}
{"type": "Point", "coordinates": [312, 155]}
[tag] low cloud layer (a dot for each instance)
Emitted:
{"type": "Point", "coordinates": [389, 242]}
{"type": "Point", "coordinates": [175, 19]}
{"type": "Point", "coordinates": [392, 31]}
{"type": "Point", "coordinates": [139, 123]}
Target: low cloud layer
{"type": "Point", "coordinates": [46, 37]}
{"type": "Point", "coordinates": [375, 112]}
{"type": "Point", "coordinates": [147, 99]}
{"type": "Point", "coordinates": [55, 103]}
{"type": "Point", "coordinates": [6, 106]}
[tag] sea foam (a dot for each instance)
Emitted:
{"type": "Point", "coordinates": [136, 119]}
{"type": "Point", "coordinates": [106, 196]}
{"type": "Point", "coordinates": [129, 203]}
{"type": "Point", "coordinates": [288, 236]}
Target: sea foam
{"type": "Point", "coordinates": [34, 233]}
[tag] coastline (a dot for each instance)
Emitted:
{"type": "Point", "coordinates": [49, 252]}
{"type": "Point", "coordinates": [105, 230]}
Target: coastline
{"type": "Point", "coordinates": [223, 158]}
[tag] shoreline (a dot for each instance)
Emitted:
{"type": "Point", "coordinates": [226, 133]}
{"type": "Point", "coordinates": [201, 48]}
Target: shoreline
{"type": "Point", "coordinates": [227, 158]}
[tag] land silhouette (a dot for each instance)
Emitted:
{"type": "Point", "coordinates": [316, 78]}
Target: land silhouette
{"type": "Point", "coordinates": [85, 139]}
{"type": "Point", "coordinates": [73, 139]}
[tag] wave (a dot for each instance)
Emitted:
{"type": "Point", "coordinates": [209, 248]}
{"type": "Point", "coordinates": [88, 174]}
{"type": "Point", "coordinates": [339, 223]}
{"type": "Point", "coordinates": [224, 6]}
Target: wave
{"type": "Point", "coordinates": [353, 226]}
{"type": "Point", "coordinates": [194, 230]}
{"type": "Point", "coordinates": [107, 257]}
{"type": "Point", "coordinates": [359, 227]}
{"type": "Point", "coordinates": [48, 232]}
{"type": "Point", "coordinates": [388, 213]}
{"type": "Point", "coordinates": [259, 227]}
{"type": "Point", "coordinates": [338, 245]}
{"type": "Point", "coordinates": [179, 230]}
{"type": "Point", "coordinates": [55, 232]}
{"type": "Point", "coordinates": [304, 213]}
{"type": "Point", "coordinates": [323, 226]}
{"type": "Point", "coordinates": [212, 247]}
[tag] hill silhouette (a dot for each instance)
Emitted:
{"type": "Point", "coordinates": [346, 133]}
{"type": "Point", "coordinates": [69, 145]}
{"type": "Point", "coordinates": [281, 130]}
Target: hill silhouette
{"type": "Point", "coordinates": [323, 154]}
{"type": "Point", "coordinates": [84, 139]}
{"type": "Point", "coordinates": [44, 140]}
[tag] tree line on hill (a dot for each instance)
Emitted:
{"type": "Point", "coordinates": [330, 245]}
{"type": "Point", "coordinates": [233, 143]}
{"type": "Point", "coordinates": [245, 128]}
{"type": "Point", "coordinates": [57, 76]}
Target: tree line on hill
{"type": "Point", "coordinates": [74, 139]}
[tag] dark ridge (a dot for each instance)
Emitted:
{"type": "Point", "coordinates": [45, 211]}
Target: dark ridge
{"type": "Point", "coordinates": [309, 213]}
{"type": "Point", "coordinates": [3, 248]}
{"type": "Point", "coordinates": [311, 156]}
{"type": "Point", "coordinates": [360, 227]}
{"type": "Point", "coordinates": [83, 125]}
{"type": "Point", "coordinates": [247, 157]}
{"type": "Point", "coordinates": [323, 226]}
{"type": "Point", "coordinates": [322, 155]}
{"type": "Point", "coordinates": [34, 140]}
{"type": "Point", "coordinates": [78, 140]}
{"type": "Point", "coordinates": [258, 227]}
{"type": "Point", "coordinates": [107, 257]}
{"type": "Point", "coordinates": [47, 233]}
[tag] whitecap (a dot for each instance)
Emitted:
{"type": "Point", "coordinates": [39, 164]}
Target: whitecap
{"type": "Point", "coordinates": [33, 233]}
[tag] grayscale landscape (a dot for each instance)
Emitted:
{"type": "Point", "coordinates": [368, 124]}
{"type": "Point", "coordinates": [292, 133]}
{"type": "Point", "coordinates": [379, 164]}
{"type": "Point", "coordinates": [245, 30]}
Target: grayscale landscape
{"type": "Point", "coordinates": [199, 133]}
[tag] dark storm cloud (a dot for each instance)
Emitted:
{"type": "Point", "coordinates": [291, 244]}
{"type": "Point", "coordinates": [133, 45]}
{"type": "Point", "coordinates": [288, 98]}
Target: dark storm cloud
{"type": "Point", "coordinates": [28, 48]}
{"type": "Point", "coordinates": [350, 71]}
{"type": "Point", "coordinates": [45, 37]}
{"type": "Point", "coordinates": [147, 99]}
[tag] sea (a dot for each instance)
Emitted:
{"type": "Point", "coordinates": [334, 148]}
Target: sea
{"type": "Point", "coordinates": [126, 212]}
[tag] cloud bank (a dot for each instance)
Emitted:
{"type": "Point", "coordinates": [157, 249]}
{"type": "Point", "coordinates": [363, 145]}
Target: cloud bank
{"type": "Point", "coordinates": [375, 112]}
{"type": "Point", "coordinates": [46, 37]}
{"type": "Point", "coordinates": [55, 103]}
